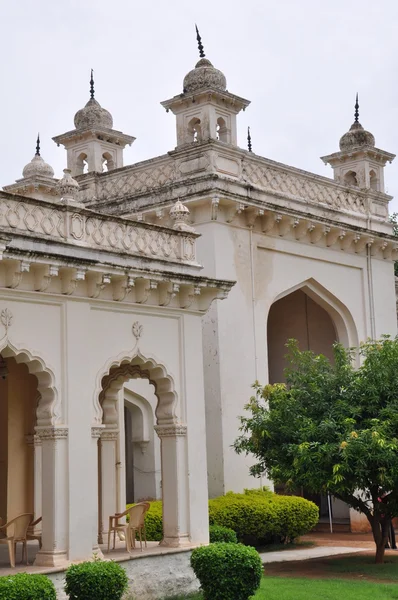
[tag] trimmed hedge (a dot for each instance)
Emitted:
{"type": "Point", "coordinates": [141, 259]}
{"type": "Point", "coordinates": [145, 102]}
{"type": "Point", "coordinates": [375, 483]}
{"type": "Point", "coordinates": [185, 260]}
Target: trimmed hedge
{"type": "Point", "coordinates": [257, 516]}
{"type": "Point", "coordinates": [24, 586]}
{"type": "Point", "coordinates": [222, 534]}
{"type": "Point", "coordinates": [260, 517]}
{"type": "Point", "coordinates": [227, 571]}
{"type": "Point", "coordinates": [97, 580]}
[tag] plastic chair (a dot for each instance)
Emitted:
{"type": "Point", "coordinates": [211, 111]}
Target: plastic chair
{"type": "Point", "coordinates": [31, 535]}
{"type": "Point", "coordinates": [136, 524]}
{"type": "Point", "coordinates": [16, 531]}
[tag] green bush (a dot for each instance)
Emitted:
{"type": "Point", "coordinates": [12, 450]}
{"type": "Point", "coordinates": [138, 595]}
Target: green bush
{"type": "Point", "coordinates": [257, 516]}
{"type": "Point", "coordinates": [227, 571]}
{"type": "Point", "coordinates": [261, 517]}
{"type": "Point", "coordinates": [222, 534]}
{"type": "Point", "coordinates": [26, 587]}
{"type": "Point", "coordinates": [153, 522]}
{"type": "Point", "coordinates": [98, 580]}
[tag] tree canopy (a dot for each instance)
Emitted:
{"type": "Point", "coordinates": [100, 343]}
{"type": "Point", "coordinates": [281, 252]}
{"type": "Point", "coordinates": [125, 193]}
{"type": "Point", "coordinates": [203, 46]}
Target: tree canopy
{"type": "Point", "coordinates": [332, 428]}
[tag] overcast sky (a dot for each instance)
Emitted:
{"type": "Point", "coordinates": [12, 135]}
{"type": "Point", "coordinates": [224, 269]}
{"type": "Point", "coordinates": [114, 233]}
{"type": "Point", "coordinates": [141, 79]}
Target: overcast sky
{"type": "Point", "coordinates": [300, 62]}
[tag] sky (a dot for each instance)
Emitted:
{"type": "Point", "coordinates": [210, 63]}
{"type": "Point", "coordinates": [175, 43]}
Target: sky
{"type": "Point", "coordinates": [300, 62]}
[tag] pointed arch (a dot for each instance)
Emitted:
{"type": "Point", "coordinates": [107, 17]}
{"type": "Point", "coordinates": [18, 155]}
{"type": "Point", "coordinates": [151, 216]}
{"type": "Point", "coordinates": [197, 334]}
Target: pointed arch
{"type": "Point", "coordinates": [48, 407]}
{"type": "Point", "coordinates": [112, 377]}
{"type": "Point", "coordinates": [339, 313]}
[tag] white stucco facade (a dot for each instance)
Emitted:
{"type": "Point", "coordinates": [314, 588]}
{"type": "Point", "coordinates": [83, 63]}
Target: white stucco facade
{"type": "Point", "coordinates": [134, 374]}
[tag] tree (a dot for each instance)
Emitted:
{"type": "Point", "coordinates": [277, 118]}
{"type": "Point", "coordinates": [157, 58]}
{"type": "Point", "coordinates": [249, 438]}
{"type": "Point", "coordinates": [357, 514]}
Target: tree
{"type": "Point", "coordinates": [332, 428]}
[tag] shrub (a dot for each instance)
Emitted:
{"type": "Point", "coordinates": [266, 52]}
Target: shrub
{"type": "Point", "coordinates": [26, 587]}
{"type": "Point", "coordinates": [227, 571]}
{"type": "Point", "coordinates": [263, 517]}
{"type": "Point", "coordinates": [98, 580]}
{"type": "Point", "coordinates": [222, 534]}
{"type": "Point", "coordinates": [153, 522]}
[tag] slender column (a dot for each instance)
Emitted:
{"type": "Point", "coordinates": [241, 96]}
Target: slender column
{"type": "Point", "coordinates": [173, 440]}
{"type": "Point", "coordinates": [95, 435]}
{"type": "Point", "coordinates": [37, 502]}
{"type": "Point", "coordinates": [108, 479]}
{"type": "Point", "coordinates": [54, 552]}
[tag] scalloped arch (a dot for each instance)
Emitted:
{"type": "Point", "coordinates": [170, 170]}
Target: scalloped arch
{"type": "Point", "coordinates": [118, 371]}
{"type": "Point", "coordinates": [48, 410]}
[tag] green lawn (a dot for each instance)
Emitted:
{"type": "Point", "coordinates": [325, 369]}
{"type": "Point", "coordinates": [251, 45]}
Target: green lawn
{"type": "Point", "coordinates": [291, 588]}
{"type": "Point", "coordinates": [365, 566]}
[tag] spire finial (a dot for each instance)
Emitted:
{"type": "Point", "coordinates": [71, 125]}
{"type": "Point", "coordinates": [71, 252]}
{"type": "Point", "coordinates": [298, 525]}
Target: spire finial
{"type": "Point", "coordinates": [38, 145]}
{"type": "Point", "coordinates": [200, 45]}
{"type": "Point", "coordinates": [249, 140]}
{"type": "Point", "coordinates": [356, 109]}
{"type": "Point", "coordinates": [92, 85]}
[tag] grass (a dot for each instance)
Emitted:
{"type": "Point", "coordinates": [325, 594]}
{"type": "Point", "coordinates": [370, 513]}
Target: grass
{"type": "Point", "coordinates": [365, 566]}
{"type": "Point", "coordinates": [278, 588]}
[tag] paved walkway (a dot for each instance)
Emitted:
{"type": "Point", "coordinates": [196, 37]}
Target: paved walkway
{"type": "Point", "coordinates": [308, 553]}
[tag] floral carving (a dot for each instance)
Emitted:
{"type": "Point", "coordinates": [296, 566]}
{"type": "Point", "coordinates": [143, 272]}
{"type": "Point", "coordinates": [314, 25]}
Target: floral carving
{"type": "Point", "coordinates": [137, 330]}
{"type": "Point", "coordinates": [6, 318]}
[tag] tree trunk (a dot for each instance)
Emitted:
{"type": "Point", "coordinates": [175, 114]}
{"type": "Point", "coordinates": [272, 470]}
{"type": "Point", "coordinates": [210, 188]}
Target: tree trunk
{"type": "Point", "coordinates": [380, 536]}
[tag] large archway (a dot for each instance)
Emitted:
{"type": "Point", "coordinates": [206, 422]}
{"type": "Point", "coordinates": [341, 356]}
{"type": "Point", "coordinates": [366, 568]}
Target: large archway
{"type": "Point", "coordinates": [306, 316]}
{"type": "Point", "coordinates": [172, 434]}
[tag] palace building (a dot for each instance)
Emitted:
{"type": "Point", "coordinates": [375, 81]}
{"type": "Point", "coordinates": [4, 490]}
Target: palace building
{"type": "Point", "coordinates": [122, 372]}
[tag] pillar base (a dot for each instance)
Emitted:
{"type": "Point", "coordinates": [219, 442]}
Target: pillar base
{"type": "Point", "coordinates": [51, 559]}
{"type": "Point", "coordinates": [97, 553]}
{"type": "Point", "coordinates": [181, 541]}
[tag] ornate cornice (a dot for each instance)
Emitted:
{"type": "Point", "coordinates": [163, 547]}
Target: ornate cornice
{"type": "Point", "coordinates": [109, 436]}
{"type": "Point", "coordinates": [96, 432]}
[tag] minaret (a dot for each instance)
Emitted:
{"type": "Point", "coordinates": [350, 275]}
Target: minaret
{"type": "Point", "coordinates": [205, 110]}
{"type": "Point", "coordinates": [359, 163]}
{"type": "Point", "coordinates": [93, 146]}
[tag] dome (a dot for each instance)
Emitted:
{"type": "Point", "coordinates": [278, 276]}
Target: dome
{"type": "Point", "coordinates": [93, 115]}
{"type": "Point", "coordinates": [203, 76]}
{"type": "Point", "coordinates": [356, 137]}
{"type": "Point", "coordinates": [37, 167]}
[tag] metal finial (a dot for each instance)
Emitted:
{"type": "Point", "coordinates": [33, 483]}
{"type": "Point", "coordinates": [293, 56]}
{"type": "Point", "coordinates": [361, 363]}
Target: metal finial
{"type": "Point", "coordinates": [356, 109]}
{"type": "Point", "coordinates": [38, 145]}
{"type": "Point", "coordinates": [92, 85]}
{"type": "Point", "coordinates": [200, 45]}
{"type": "Point", "coordinates": [249, 140]}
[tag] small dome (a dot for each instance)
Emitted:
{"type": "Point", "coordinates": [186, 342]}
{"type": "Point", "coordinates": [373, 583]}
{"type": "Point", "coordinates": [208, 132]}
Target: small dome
{"type": "Point", "coordinates": [67, 187]}
{"type": "Point", "coordinates": [37, 166]}
{"type": "Point", "coordinates": [93, 115]}
{"type": "Point", "coordinates": [203, 76]}
{"type": "Point", "coordinates": [356, 137]}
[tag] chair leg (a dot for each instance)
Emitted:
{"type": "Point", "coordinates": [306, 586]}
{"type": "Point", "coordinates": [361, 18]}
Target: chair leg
{"type": "Point", "coordinates": [144, 530]}
{"type": "Point", "coordinates": [140, 533]}
{"type": "Point", "coordinates": [11, 552]}
{"type": "Point", "coordinates": [25, 550]}
{"type": "Point", "coordinates": [114, 538]}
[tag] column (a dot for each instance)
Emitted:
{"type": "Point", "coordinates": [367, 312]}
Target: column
{"type": "Point", "coordinates": [173, 449]}
{"type": "Point", "coordinates": [108, 479]}
{"type": "Point", "coordinates": [95, 435]}
{"type": "Point", "coordinates": [54, 552]}
{"type": "Point", "coordinates": [37, 486]}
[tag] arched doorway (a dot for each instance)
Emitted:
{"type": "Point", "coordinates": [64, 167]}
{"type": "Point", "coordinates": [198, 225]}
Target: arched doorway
{"type": "Point", "coordinates": [173, 453]}
{"type": "Point", "coordinates": [33, 469]}
{"type": "Point", "coordinates": [298, 316]}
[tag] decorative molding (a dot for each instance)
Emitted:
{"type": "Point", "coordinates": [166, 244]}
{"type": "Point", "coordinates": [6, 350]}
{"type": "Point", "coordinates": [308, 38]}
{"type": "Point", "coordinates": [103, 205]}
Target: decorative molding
{"type": "Point", "coordinates": [96, 432]}
{"type": "Point", "coordinates": [52, 433]}
{"type": "Point", "coordinates": [171, 430]}
{"type": "Point", "coordinates": [108, 436]}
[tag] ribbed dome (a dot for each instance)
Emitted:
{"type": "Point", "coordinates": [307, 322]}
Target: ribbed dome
{"type": "Point", "coordinates": [203, 76]}
{"type": "Point", "coordinates": [38, 166]}
{"type": "Point", "coordinates": [93, 115]}
{"type": "Point", "coordinates": [357, 136]}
